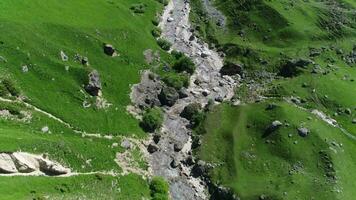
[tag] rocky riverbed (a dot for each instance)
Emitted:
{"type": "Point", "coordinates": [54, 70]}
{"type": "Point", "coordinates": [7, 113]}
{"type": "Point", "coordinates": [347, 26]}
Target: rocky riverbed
{"type": "Point", "coordinates": [171, 155]}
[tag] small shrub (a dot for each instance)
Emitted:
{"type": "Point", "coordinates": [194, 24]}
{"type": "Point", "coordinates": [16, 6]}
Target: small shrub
{"type": "Point", "coordinates": [164, 2]}
{"type": "Point", "coordinates": [176, 81]}
{"type": "Point", "coordinates": [159, 189]}
{"type": "Point", "coordinates": [190, 111]}
{"type": "Point", "coordinates": [9, 85]}
{"type": "Point", "coordinates": [152, 119]}
{"type": "Point", "coordinates": [138, 8]}
{"type": "Point", "coordinates": [155, 22]}
{"type": "Point", "coordinates": [156, 32]}
{"type": "Point", "coordinates": [184, 64]}
{"type": "Point", "coordinates": [164, 44]}
{"type": "Point", "coordinates": [3, 90]}
{"type": "Point", "coordinates": [177, 55]}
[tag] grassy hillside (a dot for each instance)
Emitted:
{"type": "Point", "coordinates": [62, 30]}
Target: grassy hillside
{"type": "Point", "coordinates": [267, 38]}
{"type": "Point", "coordinates": [281, 165]}
{"type": "Point", "coordinates": [33, 33]}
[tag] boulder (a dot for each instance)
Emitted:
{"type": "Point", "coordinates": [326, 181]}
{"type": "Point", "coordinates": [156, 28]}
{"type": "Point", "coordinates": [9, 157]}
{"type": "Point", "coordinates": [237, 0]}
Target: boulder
{"type": "Point", "coordinates": [190, 110]}
{"type": "Point", "coordinates": [200, 169]}
{"type": "Point", "coordinates": [126, 144]}
{"type": "Point", "coordinates": [275, 125]}
{"type": "Point", "coordinates": [6, 164]}
{"type": "Point", "coordinates": [170, 19]}
{"type": "Point", "coordinates": [354, 121]}
{"type": "Point", "coordinates": [174, 163]}
{"type": "Point", "coordinates": [25, 163]}
{"type": "Point", "coordinates": [109, 50]}
{"type": "Point", "coordinates": [205, 54]}
{"type": "Point", "coordinates": [85, 61]}
{"type": "Point", "coordinates": [152, 148]}
{"type": "Point", "coordinates": [231, 69]}
{"type": "Point", "coordinates": [94, 85]}
{"type": "Point", "coordinates": [178, 146]}
{"type": "Point", "coordinates": [64, 57]}
{"type": "Point", "coordinates": [303, 132]}
{"type": "Point", "coordinates": [52, 168]}
{"type": "Point", "coordinates": [168, 96]}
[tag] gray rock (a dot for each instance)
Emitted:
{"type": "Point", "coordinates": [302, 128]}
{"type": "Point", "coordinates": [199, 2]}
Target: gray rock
{"type": "Point", "coordinates": [178, 147]}
{"type": "Point", "coordinates": [6, 164]}
{"type": "Point", "coordinates": [174, 163]}
{"type": "Point", "coordinates": [354, 121]}
{"type": "Point", "coordinates": [94, 85]}
{"type": "Point", "coordinates": [126, 144]}
{"type": "Point", "coordinates": [109, 50]}
{"type": "Point", "coordinates": [272, 127]}
{"type": "Point", "coordinates": [64, 57]}
{"type": "Point", "coordinates": [152, 148]}
{"type": "Point", "coordinates": [348, 111]}
{"type": "Point", "coordinates": [303, 132]}
{"type": "Point", "coordinates": [168, 96]}
{"type": "Point", "coordinates": [85, 61]}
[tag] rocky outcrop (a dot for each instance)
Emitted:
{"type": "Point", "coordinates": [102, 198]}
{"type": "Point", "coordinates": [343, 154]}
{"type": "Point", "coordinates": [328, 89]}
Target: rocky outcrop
{"type": "Point", "coordinates": [25, 163]}
{"type": "Point", "coordinates": [231, 69]}
{"type": "Point", "coordinates": [168, 96]}
{"type": "Point", "coordinates": [94, 85]}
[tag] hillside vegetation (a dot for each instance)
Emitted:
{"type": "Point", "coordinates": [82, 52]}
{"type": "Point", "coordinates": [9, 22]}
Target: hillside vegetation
{"type": "Point", "coordinates": [60, 83]}
{"type": "Point", "coordinates": [298, 61]}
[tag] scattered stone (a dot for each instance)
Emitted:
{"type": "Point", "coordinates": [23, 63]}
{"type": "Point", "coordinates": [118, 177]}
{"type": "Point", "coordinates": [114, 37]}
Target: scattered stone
{"type": "Point", "coordinates": [85, 61]}
{"type": "Point", "coordinates": [45, 129]}
{"type": "Point", "coordinates": [189, 161]}
{"type": "Point", "coordinates": [170, 19]}
{"type": "Point", "coordinates": [24, 69]}
{"type": "Point", "coordinates": [178, 147]}
{"type": "Point", "coordinates": [303, 132]}
{"type": "Point", "coordinates": [174, 163]}
{"type": "Point", "coordinates": [94, 85]}
{"type": "Point", "coordinates": [156, 138]}
{"type": "Point", "coordinates": [168, 96]}
{"type": "Point", "coordinates": [152, 148]}
{"type": "Point", "coordinates": [348, 111]}
{"type": "Point", "coordinates": [205, 54]}
{"type": "Point", "coordinates": [273, 127]}
{"type": "Point", "coordinates": [109, 50]}
{"type": "Point", "coordinates": [183, 93]}
{"type": "Point", "coordinates": [64, 57]}
{"type": "Point", "coordinates": [126, 144]}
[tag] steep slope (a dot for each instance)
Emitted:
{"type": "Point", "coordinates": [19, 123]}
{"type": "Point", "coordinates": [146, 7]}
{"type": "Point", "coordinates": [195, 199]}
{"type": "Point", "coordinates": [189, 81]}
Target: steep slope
{"type": "Point", "coordinates": [298, 67]}
{"type": "Point", "coordinates": [54, 56]}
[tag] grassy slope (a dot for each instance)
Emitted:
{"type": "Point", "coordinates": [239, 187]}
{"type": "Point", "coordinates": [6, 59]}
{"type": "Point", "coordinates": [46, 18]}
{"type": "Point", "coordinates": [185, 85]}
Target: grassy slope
{"type": "Point", "coordinates": [33, 33]}
{"type": "Point", "coordinates": [80, 187]}
{"type": "Point", "coordinates": [252, 166]}
{"type": "Point", "coordinates": [249, 165]}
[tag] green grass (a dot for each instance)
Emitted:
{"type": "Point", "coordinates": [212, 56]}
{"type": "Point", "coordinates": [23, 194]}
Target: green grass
{"type": "Point", "coordinates": [253, 165]}
{"type": "Point", "coordinates": [33, 33]}
{"type": "Point", "coordinates": [273, 32]}
{"type": "Point", "coordinates": [44, 29]}
{"type": "Point", "coordinates": [86, 187]}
